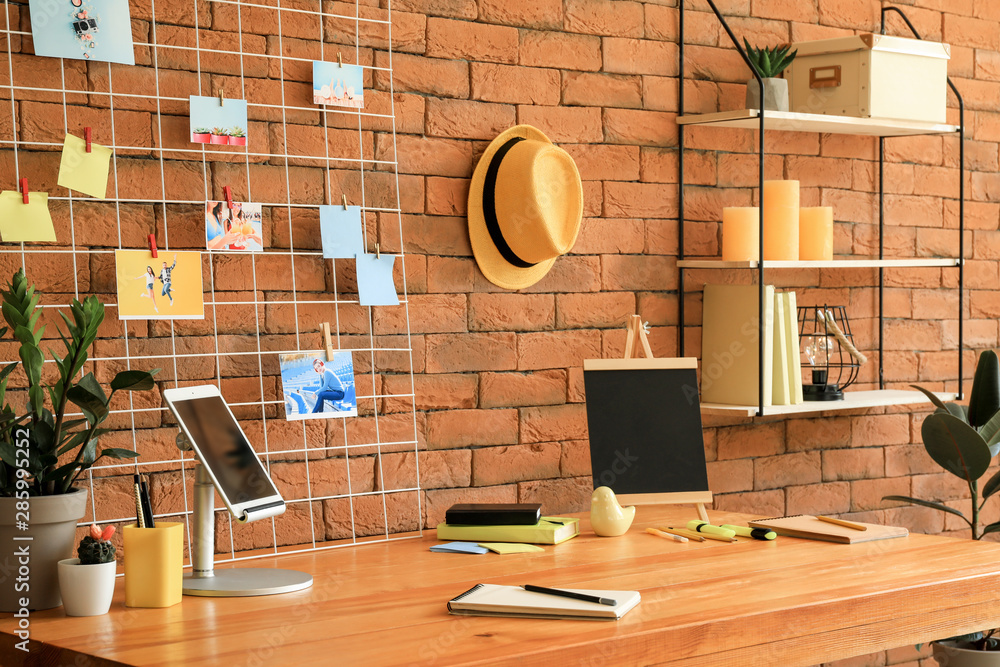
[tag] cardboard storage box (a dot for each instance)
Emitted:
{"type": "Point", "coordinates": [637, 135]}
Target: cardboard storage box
{"type": "Point", "coordinates": [871, 76]}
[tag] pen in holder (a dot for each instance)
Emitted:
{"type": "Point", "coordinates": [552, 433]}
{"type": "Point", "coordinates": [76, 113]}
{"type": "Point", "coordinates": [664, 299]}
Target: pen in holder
{"type": "Point", "coordinates": [154, 565]}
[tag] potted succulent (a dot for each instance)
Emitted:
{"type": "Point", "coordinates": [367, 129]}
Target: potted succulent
{"type": "Point", "coordinates": [201, 135]}
{"type": "Point", "coordinates": [42, 451]}
{"type": "Point", "coordinates": [237, 136]}
{"type": "Point", "coordinates": [220, 135]}
{"type": "Point", "coordinates": [87, 583]}
{"type": "Point", "coordinates": [963, 440]}
{"type": "Point", "coordinates": [769, 62]}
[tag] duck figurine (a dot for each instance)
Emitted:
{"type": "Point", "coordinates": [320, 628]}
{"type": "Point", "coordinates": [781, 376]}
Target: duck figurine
{"type": "Point", "coordinates": [607, 517]}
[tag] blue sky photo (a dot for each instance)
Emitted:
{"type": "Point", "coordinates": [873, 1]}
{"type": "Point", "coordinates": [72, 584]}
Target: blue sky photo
{"type": "Point", "coordinates": [96, 30]}
{"type": "Point", "coordinates": [337, 85]}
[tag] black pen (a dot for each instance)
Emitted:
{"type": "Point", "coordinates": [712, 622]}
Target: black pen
{"type": "Point", "coordinates": [147, 506]}
{"type": "Point", "coordinates": [570, 594]}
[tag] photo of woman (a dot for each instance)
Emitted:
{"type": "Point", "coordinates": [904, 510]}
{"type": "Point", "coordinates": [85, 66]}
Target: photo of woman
{"type": "Point", "coordinates": [150, 280]}
{"type": "Point", "coordinates": [238, 228]}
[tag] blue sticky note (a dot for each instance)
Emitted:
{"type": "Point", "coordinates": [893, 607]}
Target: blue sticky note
{"type": "Point", "coordinates": [341, 232]}
{"type": "Point", "coordinates": [459, 548]}
{"type": "Point", "coordinates": [375, 286]}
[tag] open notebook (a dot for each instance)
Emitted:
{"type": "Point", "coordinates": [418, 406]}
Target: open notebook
{"type": "Point", "coordinates": [811, 528]}
{"type": "Point", "coordinates": [494, 600]}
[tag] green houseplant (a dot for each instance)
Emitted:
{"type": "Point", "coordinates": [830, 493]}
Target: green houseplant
{"type": "Point", "coordinates": [963, 440]}
{"type": "Point", "coordinates": [87, 583]}
{"type": "Point", "coordinates": [220, 135]}
{"type": "Point", "coordinates": [42, 452]}
{"type": "Point", "coordinates": [769, 62]}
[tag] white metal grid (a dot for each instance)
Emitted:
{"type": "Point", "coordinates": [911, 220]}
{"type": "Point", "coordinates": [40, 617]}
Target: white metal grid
{"type": "Point", "coordinates": [133, 348]}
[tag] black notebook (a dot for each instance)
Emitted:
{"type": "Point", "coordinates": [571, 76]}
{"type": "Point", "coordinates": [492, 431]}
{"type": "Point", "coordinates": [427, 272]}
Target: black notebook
{"type": "Point", "coordinates": [494, 514]}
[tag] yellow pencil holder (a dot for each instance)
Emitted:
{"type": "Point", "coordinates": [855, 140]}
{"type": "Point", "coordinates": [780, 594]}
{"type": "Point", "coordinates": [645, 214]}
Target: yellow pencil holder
{"type": "Point", "coordinates": [154, 565]}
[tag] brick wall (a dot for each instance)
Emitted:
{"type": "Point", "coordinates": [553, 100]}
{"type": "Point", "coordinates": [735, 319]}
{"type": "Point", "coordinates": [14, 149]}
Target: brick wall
{"type": "Point", "coordinates": [498, 387]}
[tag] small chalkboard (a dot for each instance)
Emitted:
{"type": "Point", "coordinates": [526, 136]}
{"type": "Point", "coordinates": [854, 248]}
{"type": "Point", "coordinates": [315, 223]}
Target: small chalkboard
{"type": "Point", "coordinates": [646, 440]}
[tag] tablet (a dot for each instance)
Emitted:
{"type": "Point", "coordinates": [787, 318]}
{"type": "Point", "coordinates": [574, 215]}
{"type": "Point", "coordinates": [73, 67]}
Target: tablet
{"type": "Point", "coordinates": [224, 450]}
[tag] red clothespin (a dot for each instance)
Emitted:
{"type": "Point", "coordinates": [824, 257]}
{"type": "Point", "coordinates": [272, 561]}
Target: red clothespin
{"type": "Point", "coordinates": [88, 136]}
{"type": "Point", "coordinates": [24, 190]}
{"type": "Point", "coordinates": [152, 245]}
{"type": "Point", "coordinates": [229, 196]}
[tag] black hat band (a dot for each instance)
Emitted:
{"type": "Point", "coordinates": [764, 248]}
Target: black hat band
{"type": "Point", "coordinates": [490, 210]}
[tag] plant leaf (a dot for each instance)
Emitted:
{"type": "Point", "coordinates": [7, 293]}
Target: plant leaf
{"type": "Point", "coordinates": [992, 528]}
{"type": "Point", "coordinates": [984, 400]}
{"type": "Point", "coordinates": [955, 410]}
{"type": "Point", "coordinates": [990, 429]}
{"type": "Point", "coordinates": [926, 503]}
{"type": "Point", "coordinates": [88, 395]}
{"type": "Point", "coordinates": [119, 453]}
{"type": "Point", "coordinates": [956, 446]}
{"type": "Point", "coordinates": [991, 486]}
{"type": "Point", "coordinates": [931, 395]}
{"type": "Point", "coordinates": [133, 381]}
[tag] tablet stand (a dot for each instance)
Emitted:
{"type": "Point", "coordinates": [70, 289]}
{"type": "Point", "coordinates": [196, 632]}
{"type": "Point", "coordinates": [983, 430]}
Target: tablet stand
{"type": "Point", "coordinates": [204, 579]}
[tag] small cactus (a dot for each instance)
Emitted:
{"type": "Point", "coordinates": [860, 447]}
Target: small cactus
{"type": "Point", "coordinates": [95, 547]}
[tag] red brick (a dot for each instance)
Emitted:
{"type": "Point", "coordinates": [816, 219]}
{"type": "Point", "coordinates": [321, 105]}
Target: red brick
{"type": "Point", "coordinates": [500, 390]}
{"type": "Point", "coordinates": [761, 503]}
{"type": "Point", "coordinates": [560, 50]}
{"type": "Point", "coordinates": [500, 465]}
{"type": "Point", "coordinates": [600, 236]}
{"type": "Point", "coordinates": [553, 422]}
{"type": "Point", "coordinates": [740, 442]}
{"type": "Point", "coordinates": [600, 162]}
{"type": "Point", "coordinates": [636, 56]}
{"type": "Point", "coordinates": [436, 502]}
{"type": "Point", "coordinates": [515, 85]}
{"type": "Point", "coordinates": [467, 120]}
{"type": "Point", "coordinates": [848, 464]}
{"type": "Point", "coordinates": [582, 311]}
{"type": "Point", "coordinates": [539, 14]}
{"type": "Point", "coordinates": [832, 498]}
{"type": "Point", "coordinates": [451, 353]}
{"type": "Point", "coordinates": [605, 17]}
{"type": "Point", "coordinates": [462, 428]}
{"type": "Point", "coordinates": [867, 494]}
{"type": "Point", "coordinates": [572, 124]}
{"type": "Point", "coordinates": [575, 459]}
{"type": "Point", "coordinates": [635, 126]}
{"type": "Point", "coordinates": [603, 90]}
{"type": "Point", "coordinates": [557, 496]}
{"type": "Point", "coordinates": [730, 476]}
{"type": "Point", "coordinates": [638, 272]}
{"type": "Point", "coordinates": [511, 312]}
{"type": "Point", "coordinates": [431, 392]}
{"type": "Point", "coordinates": [471, 41]}
{"type": "Point", "coordinates": [557, 349]}
{"type": "Point", "coordinates": [969, 31]}
{"type": "Point", "coordinates": [775, 472]}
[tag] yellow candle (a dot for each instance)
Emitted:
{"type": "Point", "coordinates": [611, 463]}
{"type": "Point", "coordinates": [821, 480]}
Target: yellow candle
{"type": "Point", "coordinates": [781, 220]}
{"type": "Point", "coordinates": [741, 233]}
{"type": "Point", "coordinates": [816, 233]}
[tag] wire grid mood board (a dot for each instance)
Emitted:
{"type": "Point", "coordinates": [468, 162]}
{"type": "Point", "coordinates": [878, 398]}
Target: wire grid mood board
{"type": "Point", "coordinates": [344, 480]}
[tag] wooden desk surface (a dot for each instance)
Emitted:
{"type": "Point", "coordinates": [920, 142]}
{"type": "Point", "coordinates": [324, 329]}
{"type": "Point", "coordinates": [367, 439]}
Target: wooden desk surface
{"type": "Point", "coordinates": [788, 602]}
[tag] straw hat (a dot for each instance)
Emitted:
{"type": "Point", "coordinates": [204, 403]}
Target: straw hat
{"type": "Point", "coordinates": [525, 207]}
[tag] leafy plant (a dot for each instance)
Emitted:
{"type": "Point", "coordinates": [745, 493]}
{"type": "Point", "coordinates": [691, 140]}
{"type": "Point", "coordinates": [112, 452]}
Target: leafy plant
{"type": "Point", "coordinates": [769, 61]}
{"type": "Point", "coordinates": [963, 440]}
{"type": "Point", "coordinates": [220, 131]}
{"type": "Point", "coordinates": [237, 132]}
{"type": "Point", "coordinates": [202, 130]}
{"type": "Point", "coordinates": [48, 434]}
{"type": "Point", "coordinates": [96, 548]}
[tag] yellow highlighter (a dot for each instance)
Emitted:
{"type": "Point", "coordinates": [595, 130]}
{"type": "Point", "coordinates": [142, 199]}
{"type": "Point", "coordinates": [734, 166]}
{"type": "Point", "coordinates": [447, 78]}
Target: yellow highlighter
{"type": "Point", "coordinates": [705, 527]}
{"type": "Point", "coordinates": [756, 533]}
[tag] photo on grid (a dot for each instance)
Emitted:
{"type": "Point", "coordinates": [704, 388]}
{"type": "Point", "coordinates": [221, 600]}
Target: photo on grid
{"type": "Point", "coordinates": [338, 85]}
{"type": "Point", "coordinates": [315, 387]}
{"type": "Point", "coordinates": [167, 287]}
{"type": "Point", "coordinates": [218, 121]}
{"type": "Point", "coordinates": [83, 30]}
{"type": "Point", "coordinates": [236, 228]}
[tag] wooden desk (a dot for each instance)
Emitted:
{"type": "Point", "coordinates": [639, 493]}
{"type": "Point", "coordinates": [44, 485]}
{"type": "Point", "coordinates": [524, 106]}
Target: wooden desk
{"type": "Point", "coordinates": [788, 602]}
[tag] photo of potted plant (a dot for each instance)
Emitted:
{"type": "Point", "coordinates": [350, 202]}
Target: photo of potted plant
{"type": "Point", "coordinates": [201, 135]}
{"type": "Point", "coordinates": [963, 440]}
{"type": "Point", "coordinates": [769, 62]}
{"type": "Point", "coordinates": [87, 583]}
{"type": "Point", "coordinates": [237, 136]}
{"type": "Point", "coordinates": [43, 452]}
{"type": "Point", "coordinates": [220, 135]}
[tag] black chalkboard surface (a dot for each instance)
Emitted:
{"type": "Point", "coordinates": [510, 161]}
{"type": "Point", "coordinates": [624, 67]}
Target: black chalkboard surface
{"type": "Point", "coordinates": [645, 429]}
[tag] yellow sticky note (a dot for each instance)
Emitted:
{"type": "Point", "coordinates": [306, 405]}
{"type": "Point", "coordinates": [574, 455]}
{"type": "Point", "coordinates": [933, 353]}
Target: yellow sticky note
{"type": "Point", "coordinates": [510, 547]}
{"type": "Point", "coordinates": [20, 222]}
{"type": "Point", "coordinates": [83, 171]}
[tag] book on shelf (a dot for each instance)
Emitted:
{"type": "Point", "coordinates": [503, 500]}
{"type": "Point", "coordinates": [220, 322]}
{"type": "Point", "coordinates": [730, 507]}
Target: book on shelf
{"type": "Point", "coordinates": [729, 343]}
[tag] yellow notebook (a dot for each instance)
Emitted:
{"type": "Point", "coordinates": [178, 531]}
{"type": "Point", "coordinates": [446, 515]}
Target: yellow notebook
{"type": "Point", "coordinates": [781, 393]}
{"type": "Point", "coordinates": [549, 530]}
{"type": "Point", "coordinates": [792, 342]}
{"type": "Point", "coordinates": [811, 528]}
{"type": "Point", "coordinates": [729, 344]}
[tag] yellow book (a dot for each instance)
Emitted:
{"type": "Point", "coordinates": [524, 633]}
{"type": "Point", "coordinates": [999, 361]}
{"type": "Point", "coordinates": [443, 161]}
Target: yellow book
{"type": "Point", "coordinates": [549, 530]}
{"type": "Point", "coordinates": [780, 389]}
{"type": "Point", "coordinates": [729, 344]}
{"type": "Point", "coordinates": [792, 342]}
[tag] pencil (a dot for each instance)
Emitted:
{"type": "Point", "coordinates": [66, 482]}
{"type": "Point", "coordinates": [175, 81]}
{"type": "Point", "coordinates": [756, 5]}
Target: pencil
{"type": "Point", "coordinates": [669, 536]}
{"type": "Point", "coordinates": [682, 532]}
{"type": "Point", "coordinates": [841, 522]}
{"type": "Point", "coordinates": [710, 536]}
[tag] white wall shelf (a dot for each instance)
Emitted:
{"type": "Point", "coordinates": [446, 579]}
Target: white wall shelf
{"type": "Point", "coordinates": [835, 264]}
{"type": "Point", "coordinates": [789, 121]}
{"type": "Point", "coordinates": [853, 400]}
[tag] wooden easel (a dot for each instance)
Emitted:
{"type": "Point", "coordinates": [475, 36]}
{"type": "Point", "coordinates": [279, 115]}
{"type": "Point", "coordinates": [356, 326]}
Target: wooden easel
{"type": "Point", "coordinates": [635, 340]}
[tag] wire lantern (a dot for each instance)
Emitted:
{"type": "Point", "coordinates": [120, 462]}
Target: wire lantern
{"type": "Point", "coordinates": [828, 345]}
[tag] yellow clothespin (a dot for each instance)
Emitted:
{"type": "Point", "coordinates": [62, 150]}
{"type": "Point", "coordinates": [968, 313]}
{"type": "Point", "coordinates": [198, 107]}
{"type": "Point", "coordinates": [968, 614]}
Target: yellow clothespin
{"type": "Point", "coordinates": [378, 255]}
{"type": "Point", "coordinates": [340, 59]}
{"type": "Point", "coordinates": [343, 198]}
{"type": "Point", "coordinates": [222, 97]}
{"type": "Point", "coordinates": [327, 340]}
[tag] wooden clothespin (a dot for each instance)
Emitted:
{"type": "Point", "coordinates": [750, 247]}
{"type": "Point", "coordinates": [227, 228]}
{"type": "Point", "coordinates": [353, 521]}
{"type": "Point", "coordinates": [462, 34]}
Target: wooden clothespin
{"type": "Point", "coordinates": [88, 137]}
{"type": "Point", "coordinates": [340, 59]}
{"type": "Point", "coordinates": [324, 329]}
{"type": "Point", "coordinates": [152, 246]}
{"type": "Point", "coordinates": [228, 192]}
{"type": "Point", "coordinates": [222, 97]}
{"type": "Point", "coordinates": [24, 190]}
{"type": "Point", "coordinates": [378, 255]}
{"type": "Point", "coordinates": [635, 338]}
{"type": "Point", "coordinates": [343, 199]}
